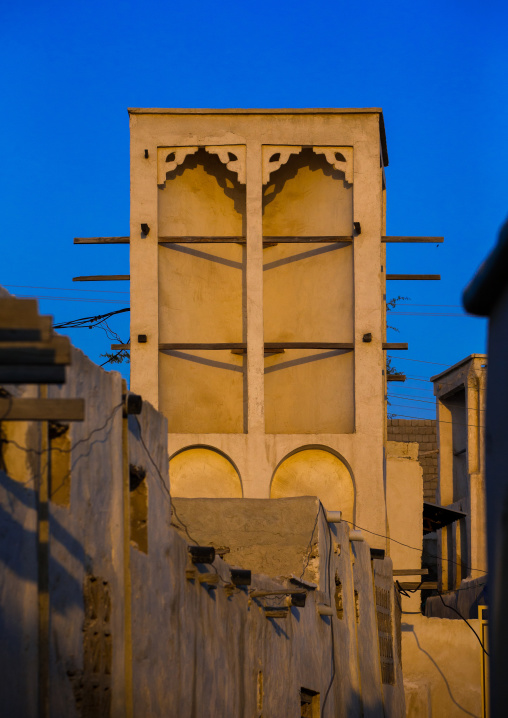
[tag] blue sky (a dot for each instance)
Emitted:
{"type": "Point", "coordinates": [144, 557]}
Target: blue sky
{"type": "Point", "coordinates": [438, 70]}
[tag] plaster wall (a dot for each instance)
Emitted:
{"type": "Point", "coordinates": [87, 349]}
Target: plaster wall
{"type": "Point", "coordinates": [352, 416]}
{"type": "Point", "coordinates": [442, 668]}
{"type": "Point", "coordinates": [404, 506]}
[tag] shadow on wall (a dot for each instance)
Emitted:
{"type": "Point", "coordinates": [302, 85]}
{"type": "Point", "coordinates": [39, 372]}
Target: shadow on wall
{"type": "Point", "coordinates": [317, 471]}
{"type": "Point", "coordinates": [200, 472]}
{"type": "Point", "coordinates": [18, 547]}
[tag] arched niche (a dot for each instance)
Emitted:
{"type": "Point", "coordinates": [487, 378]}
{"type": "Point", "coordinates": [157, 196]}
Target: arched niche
{"type": "Point", "coordinates": [307, 196]}
{"type": "Point", "coordinates": [316, 471]}
{"type": "Point", "coordinates": [205, 473]}
{"type": "Point", "coordinates": [200, 195]}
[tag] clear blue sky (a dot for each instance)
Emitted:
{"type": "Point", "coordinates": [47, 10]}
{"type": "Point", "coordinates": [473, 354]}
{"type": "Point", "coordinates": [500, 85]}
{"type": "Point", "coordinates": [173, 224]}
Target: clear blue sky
{"type": "Point", "coordinates": [438, 69]}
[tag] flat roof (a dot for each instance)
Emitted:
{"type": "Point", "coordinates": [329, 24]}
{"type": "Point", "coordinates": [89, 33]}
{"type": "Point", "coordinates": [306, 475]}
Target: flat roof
{"type": "Point", "coordinates": [271, 111]}
{"type": "Point", "coordinates": [254, 111]}
{"type": "Point", "coordinates": [457, 365]}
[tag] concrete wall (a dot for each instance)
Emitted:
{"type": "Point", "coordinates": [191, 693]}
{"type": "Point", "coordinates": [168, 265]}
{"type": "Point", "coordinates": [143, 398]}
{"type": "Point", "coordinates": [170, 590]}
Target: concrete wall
{"type": "Point", "coordinates": [424, 433]}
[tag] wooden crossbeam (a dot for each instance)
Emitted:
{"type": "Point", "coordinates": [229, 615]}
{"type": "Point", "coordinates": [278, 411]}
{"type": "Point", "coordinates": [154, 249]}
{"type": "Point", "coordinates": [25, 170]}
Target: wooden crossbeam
{"type": "Point", "coordinates": [242, 240]}
{"type": "Point", "coordinates": [103, 278]}
{"type": "Point", "coordinates": [416, 585]}
{"type": "Point", "coordinates": [201, 240]}
{"type": "Point", "coordinates": [20, 321]}
{"type": "Point", "coordinates": [401, 240]}
{"type": "Point", "coordinates": [395, 377]}
{"type": "Point", "coordinates": [13, 409]}
{"type": "Point", "coordinates": [413, 276]}
{"type": "Point", "coordinates": [55, 351]}
{"type": "Point", "coordinates": [34, 374]}
{"type": "Point", "coordinates": [101, 240]}
{"type": "Point", "coordinates": [200, 345]}
{"type": "Point", "coordinates": [303, 240]}
{"type": "Point", "coordinates": [269, 346]}
{"type": "Point", "coordinates": [242, 346]}
{"type": "Point", "coordinates": [410, 571]}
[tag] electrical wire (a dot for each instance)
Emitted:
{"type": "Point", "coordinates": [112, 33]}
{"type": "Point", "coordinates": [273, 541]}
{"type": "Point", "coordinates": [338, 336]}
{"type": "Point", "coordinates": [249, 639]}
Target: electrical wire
{"type": "Point", "coordinates": [65, 289]}
{"type": "Point", "coordinates": [420, 361]}
{"type": "Point", "coordinates": [414, 548]}
{"type": "Point", "coordinates": [91, 322]}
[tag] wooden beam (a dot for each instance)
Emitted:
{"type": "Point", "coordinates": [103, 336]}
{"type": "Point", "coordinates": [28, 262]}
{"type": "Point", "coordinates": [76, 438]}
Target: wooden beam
{"type": "Point", "coordinates": [416, 585]}
{"type": "Point", "coordinates": [395, 377]}
{"type": "Point", "coordinates": [198, 346]}
{"type": "Point", "coordinates": [401, 240]}
{"type": "Point", "coordinates": [13, 409]}
{"type": "Point", "coordinates": [103, 278]}
{"type": "Point", "coordinates": [303, 240]}
{"type": "Point", "coordinates": [242, 240]}
{"type": "Point", "coordinates": [413, 276]}
{"type": "Point", "coordinates": [101, 240]}
{"type": "Point", "coordinates": [56, 351]}
{"type": "Point", "coordinates": [410, 571]}
{"type": "Point", "coordinates": [270, 347]}
{"type": "Point", "coordinates": [35, 374]}
{"type": "Point", "coordinates": [274, 346]}
{"type": "Point", "coordinates": [396, 345]}
{"type": "Point", "coordinates": [201, 240]}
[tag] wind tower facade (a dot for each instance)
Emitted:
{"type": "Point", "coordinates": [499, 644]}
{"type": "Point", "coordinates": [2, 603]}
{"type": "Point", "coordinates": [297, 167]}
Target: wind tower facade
{"type": "Point", "coordinates": [258, 300]}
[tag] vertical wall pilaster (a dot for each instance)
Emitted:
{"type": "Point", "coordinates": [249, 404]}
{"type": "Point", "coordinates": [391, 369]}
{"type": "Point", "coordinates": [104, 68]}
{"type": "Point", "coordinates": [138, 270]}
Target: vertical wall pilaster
{"type": "Point", "coordinates": [255, 338]}
{"type": "Point", "coordinates": [144, 270]}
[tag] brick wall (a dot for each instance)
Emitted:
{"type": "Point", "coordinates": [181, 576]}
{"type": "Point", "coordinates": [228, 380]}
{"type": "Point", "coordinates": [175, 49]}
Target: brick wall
{"type": "Point", "coordinates": [424, 432]}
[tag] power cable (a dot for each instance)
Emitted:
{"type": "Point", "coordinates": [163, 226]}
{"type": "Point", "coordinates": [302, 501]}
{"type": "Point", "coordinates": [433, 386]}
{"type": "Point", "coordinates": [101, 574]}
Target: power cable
{"type": "Point", "coordinates": [65, 289]}
{"type": "Point", "coordinates": [414, 548]}
{"type": "Point", "coordinates": [90, 322]}
{"type": "Point", "coordinates": [420, 361]}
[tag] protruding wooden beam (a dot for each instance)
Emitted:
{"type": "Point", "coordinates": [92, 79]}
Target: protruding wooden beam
{"type": "Point", "coordinates": [101, 240]}
{"type": "Point", "coordinates": [410, 571]}
{"type": "Point", "coordinates": [13, 409]}
{"type": "Point", "coordinates": [397, 345]}
{"type": "Point", "coordinates": [416, 585]}
{"type": "Point", "coordinates": [411, 240]}
{"type": "Point", "coordinates": [34, 374]}
{"type": "Point", "coordinates": [413, 276]}
{"type": "Point", "coordinates": [270, 347]}
{"type": "Point", "coordinates": [55, 351]}
{"type": "Point", "coordinates": [103, 278]}
{"type": "Point", "coordinates": [395, 377]}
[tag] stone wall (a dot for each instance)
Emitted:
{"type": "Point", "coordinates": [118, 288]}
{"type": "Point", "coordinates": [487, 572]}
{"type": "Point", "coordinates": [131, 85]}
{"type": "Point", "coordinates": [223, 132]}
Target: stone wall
{"type": "Point", "coordinates": [424, 432]}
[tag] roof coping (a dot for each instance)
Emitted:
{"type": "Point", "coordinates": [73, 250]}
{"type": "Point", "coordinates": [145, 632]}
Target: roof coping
{"type": "Point", "coordinates": [271, 111]}
{"type": "Point", "coordinates": [469, 358]}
